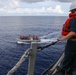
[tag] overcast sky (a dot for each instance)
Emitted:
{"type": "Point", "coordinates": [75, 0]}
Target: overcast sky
{"type": "Point", "coordinates": [35, 7]}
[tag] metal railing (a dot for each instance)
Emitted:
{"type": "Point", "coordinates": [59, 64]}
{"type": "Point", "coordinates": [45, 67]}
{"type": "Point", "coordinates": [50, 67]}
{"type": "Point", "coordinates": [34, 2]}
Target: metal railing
{"type": "Point", "coordinates": [31, 52]}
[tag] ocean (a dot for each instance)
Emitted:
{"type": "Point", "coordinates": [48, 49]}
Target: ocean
{"type": "Point", "coordinates": [11, 27]}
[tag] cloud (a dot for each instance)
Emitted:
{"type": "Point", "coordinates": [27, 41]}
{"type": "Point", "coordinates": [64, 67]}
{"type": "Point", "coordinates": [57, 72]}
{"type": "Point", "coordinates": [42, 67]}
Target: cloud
{"type": "Point", "coordinates": [14, 3]}
{"type": "Point", "coordinates": [32, 1]}
{"type": "Point", "coordinates": [58, 9]}
{"type": "Point", "coordinates": [64, 0]}
{"type": "Point", "coordinates": [42, 10]}
{"type": "Point", "coordinates": [9, 7]}
{"type": "Point", "coordinates": [10, 4]}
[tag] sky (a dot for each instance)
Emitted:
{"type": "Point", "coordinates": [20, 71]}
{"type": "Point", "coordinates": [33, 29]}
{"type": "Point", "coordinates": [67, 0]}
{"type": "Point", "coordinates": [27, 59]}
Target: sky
{"type": "Point", "coordinates": [35, 7]}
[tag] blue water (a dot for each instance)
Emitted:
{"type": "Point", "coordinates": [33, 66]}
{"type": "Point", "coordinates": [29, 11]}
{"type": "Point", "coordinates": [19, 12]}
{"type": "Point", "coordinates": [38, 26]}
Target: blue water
{"type": "Point", "coordinates": [11, 27]}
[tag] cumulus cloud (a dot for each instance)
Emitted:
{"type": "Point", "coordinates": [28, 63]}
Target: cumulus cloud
{"type": "Point", "coordinates": [49, 10]}
{"type": "Point", "coordinates": [42, 10]}
{"type": "Point", "coordinates": [10, 4]}
{"type": "Point", "coordinates": [14, 3]}
{"type": "Point", "coordinates": [9, 7]}
{"type": "Point", "coordinates": [14, 7]}
{"type": "Point", "coordinates": [58, 9]}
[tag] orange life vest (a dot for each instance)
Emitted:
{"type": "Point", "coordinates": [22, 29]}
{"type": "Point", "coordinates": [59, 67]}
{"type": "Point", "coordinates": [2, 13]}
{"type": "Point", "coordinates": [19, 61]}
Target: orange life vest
{"type": "Point", "coordinates": [65, 29]}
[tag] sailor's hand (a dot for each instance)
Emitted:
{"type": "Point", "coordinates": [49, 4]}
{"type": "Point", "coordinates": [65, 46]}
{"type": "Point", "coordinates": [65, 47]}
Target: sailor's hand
{"type": "Point", "coordinates": [60, 39]}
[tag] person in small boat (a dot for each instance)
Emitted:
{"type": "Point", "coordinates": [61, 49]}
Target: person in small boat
{"type": "Point", "coordinates": [69, 34]}
{"type": "Point", "coordinates": [25, 37]}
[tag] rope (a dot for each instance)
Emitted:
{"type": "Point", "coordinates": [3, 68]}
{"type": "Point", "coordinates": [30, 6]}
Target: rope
{"type": "Point", "coordinates": [54, 66]}
{"type": "Point", "coordinates": [25, 55]}
{"type": "Point", "coordinates": [43, 47]}
{"type": "Point", "coordinates": [22, 59]}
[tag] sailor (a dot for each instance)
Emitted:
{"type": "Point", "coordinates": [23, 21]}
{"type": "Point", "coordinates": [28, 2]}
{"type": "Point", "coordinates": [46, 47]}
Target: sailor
{"type": "Point", "coordinates": [69, 34]}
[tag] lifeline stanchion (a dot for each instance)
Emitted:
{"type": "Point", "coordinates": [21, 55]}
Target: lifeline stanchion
{"type": "Point", "coordinates": [32, 57]}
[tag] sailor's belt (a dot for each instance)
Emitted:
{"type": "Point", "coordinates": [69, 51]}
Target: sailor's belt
{"type": "Point", "coordinates": [73, 39]}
